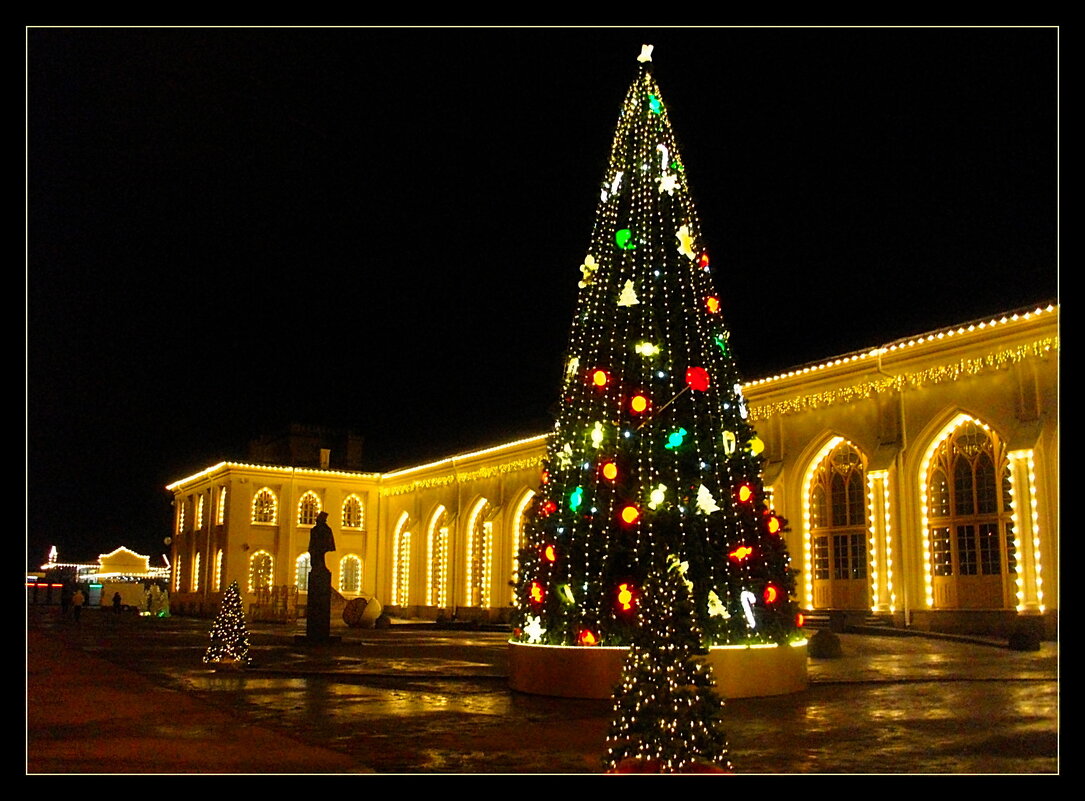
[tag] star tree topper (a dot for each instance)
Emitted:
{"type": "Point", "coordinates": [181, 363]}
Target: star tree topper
{"type": "Point", "coordinates": [645, 53]}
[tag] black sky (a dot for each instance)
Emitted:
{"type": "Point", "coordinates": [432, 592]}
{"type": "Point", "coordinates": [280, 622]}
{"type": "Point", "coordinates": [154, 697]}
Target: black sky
{"type": "Point", "coordinates": [380, 229]}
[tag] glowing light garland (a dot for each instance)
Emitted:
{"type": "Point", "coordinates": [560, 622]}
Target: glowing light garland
{"type": "Point", "coordinates": [963, 368]}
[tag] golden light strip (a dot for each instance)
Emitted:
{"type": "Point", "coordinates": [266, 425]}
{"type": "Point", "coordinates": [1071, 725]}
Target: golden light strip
{"type": "Point", "coordinates": [432, 548]}
{"type": "Point", "coordinates": [463, 478]}
{"type": "Point", "coordinates": [487, 562]}
{"type": "Point", "coordinates": [396, 547]}
{"type": "Point", "coordinates": [1018, 495]}
{"type": "Point", "coordinates": [472, 517]}
{"type": "Point", "coordinates": [924, 473]}
{"type": "Point", "coordinates": [405, 564]}
{"type": "Point", "coordinates": [807, 524]}
{"type": "Point", "coordinates": [263, 468]}
{"type": "Point", "coordinates": [1034, 508]}
{"type": "Point", "coordinates": [877, 478]}
{"type": "Point", "coordinates": [908, 342]}
{"type": "Point", "coordinates": [539, 439]}
{"type": "Point", "coordinates": [220, 515]}
{"type": "Point", "coordinates": [962, 368]}
{"type": "Point", "coordinates": [888, 544]}
{"type": "Point", "coordinates": [518, 534]}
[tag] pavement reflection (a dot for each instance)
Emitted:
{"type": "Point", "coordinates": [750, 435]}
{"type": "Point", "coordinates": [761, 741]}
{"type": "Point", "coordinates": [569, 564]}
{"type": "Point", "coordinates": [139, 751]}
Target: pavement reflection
{"type": "Point", "coordinates": [409, 700]}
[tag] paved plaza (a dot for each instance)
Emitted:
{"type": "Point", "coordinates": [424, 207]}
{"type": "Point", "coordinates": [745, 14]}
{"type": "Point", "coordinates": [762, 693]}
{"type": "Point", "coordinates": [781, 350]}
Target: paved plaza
{"type": "Point", "coordinates": [122, 694]}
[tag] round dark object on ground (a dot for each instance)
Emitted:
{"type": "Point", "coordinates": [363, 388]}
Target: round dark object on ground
{"type": "Point", "coordinates": [1024, 639]}
{"type": "Point", "coordinates": [352, 612]}
{"type": "Point", "coordinates": [825, 645]}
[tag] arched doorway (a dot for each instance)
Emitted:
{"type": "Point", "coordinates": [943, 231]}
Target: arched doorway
{"type": "Point", "coordinates": [969, 519]}
{"type": "Point", "coordinates": [838, 529]}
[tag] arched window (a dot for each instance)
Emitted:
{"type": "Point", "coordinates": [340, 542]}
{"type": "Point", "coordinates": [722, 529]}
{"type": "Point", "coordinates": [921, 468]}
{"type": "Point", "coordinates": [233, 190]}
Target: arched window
{"type": "Point", "coordinates": [969, 520]}
{"type": "Point", "coordinates": [199, 512]}
{"type": "Point", "coordinates": [401, 563]}
{"type": "Point", "coordinates": [838, 532]}
{"type": "Point", "coordinates": [519, 519]}
{"type": "Point", "coordinates": [308, 508]}
{"type": "Point", "coordinates": [479, 556]}
{"type": "Point", "coordinates": [177, 574]}
{"type": "Point", "coordinates": [196, 573]}
{"type": "Point", "coordinates": [437, 537]}
{"type": "Point", "coordinates": [220, 512]}
{"type": "Point", "coordinates": [353, 512]}
{"type": "Point", "coordinates": [301, 572]}
{"type": "Point", "coordinates": [217, 586]}
{"type": "Point", "coordinates": [350, 575]}
{"type": "Point", "coordinates": [261, 570]}
{"type": "Point", "coordinates": [181, 518]}
{"type": "Point", "coordinates": [265, 507]}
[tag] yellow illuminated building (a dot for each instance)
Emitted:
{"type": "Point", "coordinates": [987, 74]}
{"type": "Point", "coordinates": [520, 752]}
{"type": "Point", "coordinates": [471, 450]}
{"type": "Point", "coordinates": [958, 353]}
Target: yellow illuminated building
{"type": "Point", "coordinates": [919, 479]}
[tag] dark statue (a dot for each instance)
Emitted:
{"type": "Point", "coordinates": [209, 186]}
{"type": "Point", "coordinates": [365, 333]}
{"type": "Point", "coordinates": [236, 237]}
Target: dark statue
{"type": "Point", "coordinates": [321, 541]}
{"type": "Point", "coordinates": [318, 611]}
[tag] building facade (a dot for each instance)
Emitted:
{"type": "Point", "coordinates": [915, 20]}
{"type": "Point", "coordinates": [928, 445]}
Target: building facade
{"type": "Point", "coordinates": [919, 479]}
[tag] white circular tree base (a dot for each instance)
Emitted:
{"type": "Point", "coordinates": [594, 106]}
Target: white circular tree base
{"type": "Point", "coordinates": [572, 672]}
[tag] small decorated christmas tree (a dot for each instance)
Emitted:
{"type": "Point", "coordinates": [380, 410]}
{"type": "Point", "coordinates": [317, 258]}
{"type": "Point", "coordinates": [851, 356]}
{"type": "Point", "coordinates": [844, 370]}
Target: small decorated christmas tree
{"type": "Point", "coordinates": [229, 635]}
{"type": "Point", "coordinates": [667, 714]}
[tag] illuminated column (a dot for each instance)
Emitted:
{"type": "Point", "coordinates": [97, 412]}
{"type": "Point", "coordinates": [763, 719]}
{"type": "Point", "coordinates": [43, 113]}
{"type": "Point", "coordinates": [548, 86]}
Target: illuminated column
{"type": "Point", "coordinates": [879, 542]}
{"type": "Point", "coordinates": [1026, 532]}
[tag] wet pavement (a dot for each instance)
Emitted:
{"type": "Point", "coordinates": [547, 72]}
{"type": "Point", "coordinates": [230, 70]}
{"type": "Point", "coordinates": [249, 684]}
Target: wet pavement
{"type": "Point", "coordinates": [131, 695]}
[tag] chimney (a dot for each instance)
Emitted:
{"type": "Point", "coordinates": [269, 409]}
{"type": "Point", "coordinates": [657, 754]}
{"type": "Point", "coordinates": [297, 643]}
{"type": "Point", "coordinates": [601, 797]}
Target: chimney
{"type": "Point", "coordinates": [325, 458]}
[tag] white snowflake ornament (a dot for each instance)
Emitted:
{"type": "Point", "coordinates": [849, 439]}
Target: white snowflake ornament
{"type": "Point", "coordinates": [534, 629]}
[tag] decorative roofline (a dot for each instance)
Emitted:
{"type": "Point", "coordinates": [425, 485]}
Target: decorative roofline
{"type": "Point", "coordinates": [937, 374]}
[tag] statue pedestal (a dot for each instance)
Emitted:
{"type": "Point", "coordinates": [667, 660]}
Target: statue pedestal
{"type": "Point", "coordinates": [318, 608]}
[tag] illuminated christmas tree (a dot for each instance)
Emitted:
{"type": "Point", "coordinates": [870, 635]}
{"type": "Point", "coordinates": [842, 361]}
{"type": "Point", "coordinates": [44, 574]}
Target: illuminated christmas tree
{"type": "Point", "coordinates": [229, 635]}
{"type": "Point", "coordinates": [668, 717]}
{"type": "Point", "coordinates": [652, 453]}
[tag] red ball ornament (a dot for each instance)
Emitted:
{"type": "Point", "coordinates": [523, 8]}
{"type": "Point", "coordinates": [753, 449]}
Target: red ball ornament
{"type": "Point", "coordinates": [697, 379]}
{"type": "Point", "coordinates": [712, 303]}
{"type": "Point", "coordinates": [548, 508]}
{"type": "Point", "coordinates": [745, 493]}
{"type": "Point", "coordinates": [587, 637]}
{"type": "Point", "coordinates": [630, 514]}
{"type": "Point", "coordinates": [600, 378]}
{"type": "Point", "coordinates": [609, 470]}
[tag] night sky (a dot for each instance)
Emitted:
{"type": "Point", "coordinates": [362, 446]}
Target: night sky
{"type": "Point", "coordinates": [381, 229]}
